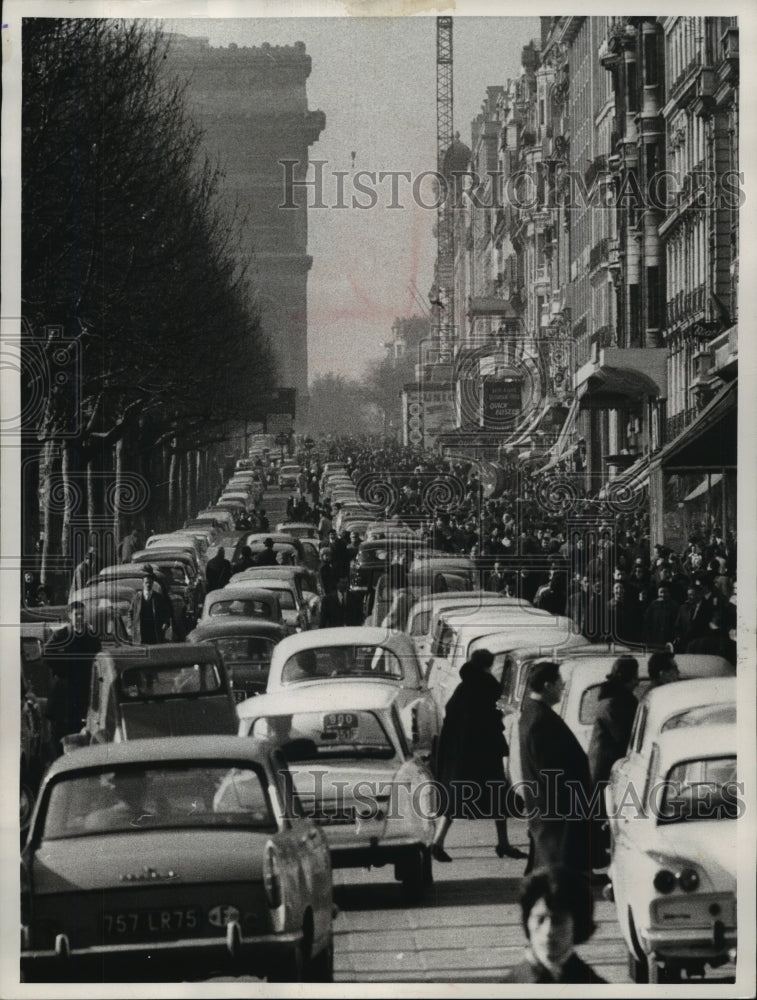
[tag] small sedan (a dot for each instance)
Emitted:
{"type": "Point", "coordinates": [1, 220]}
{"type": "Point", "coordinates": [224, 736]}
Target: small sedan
{"type": "Point", "coordinates": [674, 856]}
{"type": "Point", "coordinates": [354, 772]}
{"type": "Point", "coordinates": [248, 600]}
{"type": "Point", "coordinates": [174, 858]}
{"type": "Point", "coordinates": [288, 476]}
{"type": "Point", "coordinates": [340, 656]}
{"type": "Point", "coordinates": [246, 646]}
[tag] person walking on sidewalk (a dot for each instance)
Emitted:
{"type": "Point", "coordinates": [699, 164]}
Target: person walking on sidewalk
{"type": "Point", "coordinates": [469, 761]}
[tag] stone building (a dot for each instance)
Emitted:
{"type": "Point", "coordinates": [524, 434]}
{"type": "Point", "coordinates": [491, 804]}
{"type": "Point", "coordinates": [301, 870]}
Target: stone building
{"type": "Point", "coordinates": [251, 104]}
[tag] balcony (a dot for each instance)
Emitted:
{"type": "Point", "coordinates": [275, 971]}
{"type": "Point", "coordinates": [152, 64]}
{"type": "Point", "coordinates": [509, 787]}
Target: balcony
{"type": "Point", "coordinates": [678, 422]}
{"type": "Point", "coordinates": [728, 68]}
{"type": "Point", "coordinates": [598, 254]}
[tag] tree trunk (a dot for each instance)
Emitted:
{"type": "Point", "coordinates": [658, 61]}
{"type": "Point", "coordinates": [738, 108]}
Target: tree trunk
{"type": "Point", "coordinates": [190, 479]}
{"type": "Point", "coordinates": [90, 497]}
{"type": "Point", "coordinates": [172, 470]}
{"type": "Point", "coordinates": [119, 448]}
{"type": "Point", "coordinates": [46, 465]}
{"type": "Point", "coordinates": [67, 487]}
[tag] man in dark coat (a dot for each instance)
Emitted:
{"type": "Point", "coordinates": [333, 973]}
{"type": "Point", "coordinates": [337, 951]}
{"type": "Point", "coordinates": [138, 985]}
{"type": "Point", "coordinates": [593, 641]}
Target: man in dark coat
{"type": "Point", "coordinates": [694, 617]}
{"type": "Point", "coordinates": [469, 760]}
{"type": "Point", "coordinates": [267, 557]}
{"type": "Point", "coordinates": [622, 617]}
{"type": "Point", "coordinates": [150, 612]}
{"type": "Point", "coordinates": [340, 608]}
{"type": "Point", "coordinates": [246, 561]}
{"type": "Point", "coordinates": [556, 776]}
{"type": "Point", "coordinates": [69, 654]}
{"type": "Point", "coordinates": [217, 570]}
{"type": "Point", "coordinates": [660, 618]}
{"type": "Point", "coordinates": [614, 719]}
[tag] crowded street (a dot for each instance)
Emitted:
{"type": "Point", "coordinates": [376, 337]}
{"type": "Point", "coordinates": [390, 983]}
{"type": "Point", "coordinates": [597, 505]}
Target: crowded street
{"type": "Point", "coordinates": [380, 503]}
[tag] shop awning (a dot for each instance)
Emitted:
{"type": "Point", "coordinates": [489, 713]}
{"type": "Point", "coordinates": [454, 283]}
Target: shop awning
{"type": "Point", "coordinates": [707, 483]}
{"type": "Point", "coordinates": [635, 477]}
{"type": "Point", "coordinates": [489, 305]}
{"type": "Point", "coordinates": [710, 442]}
{"type": "Point", "coordinates": [560, 450]}
{"type": "Point", "coordinates": [616, 388]}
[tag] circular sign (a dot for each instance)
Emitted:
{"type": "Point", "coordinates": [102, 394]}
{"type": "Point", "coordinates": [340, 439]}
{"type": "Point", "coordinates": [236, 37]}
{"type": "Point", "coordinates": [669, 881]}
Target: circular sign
{"type": "Point", "coordinates": [415, 437]}
{"type": "Point", "coordinates": [414, 423]}
{"type": "Point", "coordinates": [414, 409]}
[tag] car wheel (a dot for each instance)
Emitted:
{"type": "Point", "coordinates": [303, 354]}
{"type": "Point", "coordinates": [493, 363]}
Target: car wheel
{"type": "Point", "coordinates": [415, 874]}
{"type": "Point", "coordinates": [637, 968]}
{"type": "Point", "coordinates": [27, 798]}
{"type": "Point", "coordinates": [320, 968]}
{"type": "Point", "coordinates": [289, 968]}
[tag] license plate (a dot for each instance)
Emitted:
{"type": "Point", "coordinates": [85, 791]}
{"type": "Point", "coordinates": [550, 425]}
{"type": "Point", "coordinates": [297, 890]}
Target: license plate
{"type": "Point", "coordinates": [151, 923]}
{"type": "Point", "coordinates": [340, 725]}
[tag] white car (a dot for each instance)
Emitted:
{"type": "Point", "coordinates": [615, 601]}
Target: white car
{"type": "Point", "coordinates": [354, 772]}
{"type": "Point", "coordinates": [674, 855]}
{"type": "Point", "coordinates": [288, 476]}
{"type": "Point", "coordinates": [340, 656]}
{"type": "Point", "coordinates": [424, 614]}
{"type": "Point", "coordinates": [459, 633]}
{"type": "Point", "coordinates": [293, 605]}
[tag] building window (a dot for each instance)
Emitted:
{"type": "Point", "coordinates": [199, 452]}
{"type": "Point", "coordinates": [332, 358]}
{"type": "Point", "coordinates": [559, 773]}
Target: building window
{"type": "Point", "coordinates": [632, 97]}
{"type": "Point", "coordinates": [634, 311]}
{"type": "Point", "coordinates": [653, 298]}
{"type": "Point", "coordinates": [650, 60]}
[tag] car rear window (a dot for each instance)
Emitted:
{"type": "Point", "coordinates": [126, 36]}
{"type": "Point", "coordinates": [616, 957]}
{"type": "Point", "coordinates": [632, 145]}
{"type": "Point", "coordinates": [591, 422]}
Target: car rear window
{"type": "Point", "coordinates": [157, 796]}
{"type": "Point", "coordinates": [136, 683]}
{"type": "Point", "coordinates": [342, 661]}
{"type": "Point", "coordinates": [315, 735]}
{"type": "Point", "coordinates": [243, 608]}
{"type": "Point", "coordinates": [699, 789]}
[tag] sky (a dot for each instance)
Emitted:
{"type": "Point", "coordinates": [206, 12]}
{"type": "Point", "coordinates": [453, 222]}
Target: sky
{"type": "Point", "coordinates": [375, 80]}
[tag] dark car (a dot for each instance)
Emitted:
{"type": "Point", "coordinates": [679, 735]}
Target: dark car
{"type": "Point", "coordinates": [392, 556]}
{"type": "Point", "coordinates": [174, 859]}
{"type": "Point", "coordinates": [139, 692]}
{"type": "Point", "coordinates": [246, 646]}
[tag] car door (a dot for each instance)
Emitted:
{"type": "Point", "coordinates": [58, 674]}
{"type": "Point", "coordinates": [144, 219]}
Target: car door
{"type": "Point", "coordinates": [307, 846]}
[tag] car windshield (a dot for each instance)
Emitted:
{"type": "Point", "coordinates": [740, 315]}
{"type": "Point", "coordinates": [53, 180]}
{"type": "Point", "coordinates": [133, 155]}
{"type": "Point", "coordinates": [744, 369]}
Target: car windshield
{"type": "Point", "coordinates": [143, 682]}
{"type": "Point", "coordinates": [342, 661]}
{"type": "Point", "coordinates": [244, 608]}
{"type": "Point", "coordinates": [320, 735]}
{"type": "Point", "coordinates": [700, 789]}
{"type": "Point", "coordinates": [285, 596]}
{"type": "Point", "coordinates": [157, 796]}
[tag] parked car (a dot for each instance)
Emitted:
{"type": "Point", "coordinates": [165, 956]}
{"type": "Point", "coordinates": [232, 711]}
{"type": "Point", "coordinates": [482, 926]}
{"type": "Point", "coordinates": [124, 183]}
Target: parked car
{"type": "Point", "coordinates": [294, 608]}
{"type": "Point", "coordinates": [427, 566]}
{"type": "Point", "coordinates": [354, 772]}
{"type": "Point", "coordinates": [246, 645]}
{"type": "Point", "coordinates": [184, 586]}
{"type": "Point", "coordinates": [138, 692]}
{"type": "Point", "coordinates": [343, 655]}
{"type": "Point", "coordinates": [297, 529]}
{"type": "Point", "coordinates": [460, 632]}
{"type": "Point", "coordinates": [180, 539]}
{"type": "Point", "coordinates": [288, 476]}
{"type": "Point", "coordinates": [673, 865]}
{"type": "Point", "coordinates": [689, 704]}
{"type": "Point", "coordinates": [175, 553]}
{"type": "Point", "coordinates": [424, 614]}
{"type": "Point", "coordinates": [304, 579]}
{"type": "Point", "coordinates": [174, 858]}
{"type": "Point", "coordinates": [252, 601]}
{"type": "Point", "coordinates": [219, 516]}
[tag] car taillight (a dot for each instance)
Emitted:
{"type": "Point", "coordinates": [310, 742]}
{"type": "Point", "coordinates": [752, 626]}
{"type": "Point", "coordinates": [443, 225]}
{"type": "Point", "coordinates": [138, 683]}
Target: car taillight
{"type": "Point", "coordinates": [689, 879]}
{"type": "Point", "coordinates": [272, 877]}
{"type": "Point", "coordinates": [664, 881]}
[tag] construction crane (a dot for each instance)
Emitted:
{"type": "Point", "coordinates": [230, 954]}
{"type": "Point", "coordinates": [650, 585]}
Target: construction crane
{"type": "Point", "coordinates": [445, 228]}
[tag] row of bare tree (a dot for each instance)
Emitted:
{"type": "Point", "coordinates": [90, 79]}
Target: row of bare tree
{"type": "Point", "coordinates": [141, 342]}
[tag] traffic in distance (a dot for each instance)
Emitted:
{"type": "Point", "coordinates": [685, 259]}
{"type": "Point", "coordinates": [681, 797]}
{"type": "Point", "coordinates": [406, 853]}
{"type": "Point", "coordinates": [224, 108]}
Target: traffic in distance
{"type": "Point", "coordinates": [320, 675]}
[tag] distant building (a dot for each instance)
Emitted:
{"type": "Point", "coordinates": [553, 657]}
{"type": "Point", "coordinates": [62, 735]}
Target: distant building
{"type": "Point", "coordinates": [251, 104]}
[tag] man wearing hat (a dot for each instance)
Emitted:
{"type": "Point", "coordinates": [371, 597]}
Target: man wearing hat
{"type": "Point", "coordinates": [150, 612]}
{"type": "Point", "coordinates": [267, 557]}
{"type": "Point", "coordinates": [68, 654]}
{"type": "Point", "coordinates": [556, 777]}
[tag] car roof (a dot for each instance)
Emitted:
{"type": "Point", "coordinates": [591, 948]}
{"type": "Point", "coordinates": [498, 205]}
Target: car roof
{"type": "Point", "coordinates": [270, 572]}
{"type": "Point", "coordinates": [235, 626]}
{"type": "Point", "coordinates": [251, 588]}
{"type": "Point", "coordinates": [165, 748]}
{"type": "Point", "coordinates": [348, 635]}
{"type": "Point", "coordinates": [499, 642]}
{"type": "Point", "coordinates": [242, 589]}
{"type": "Point", "coordinates": [669, 699]}
{"type": "Point", "coordinates": [676, 745]}
{"type": "Point", "coordinates": [307, 696]}
{"type": "Point", "coordinates": [155, 656]}
{"type": "Point", "coordinates": [496, 613]}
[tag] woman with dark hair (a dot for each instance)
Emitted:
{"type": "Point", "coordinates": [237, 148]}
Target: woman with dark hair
{"type": "Point", "coordinates": [469, 762]}
{"type": "Point", "coordinates": [557, 910]}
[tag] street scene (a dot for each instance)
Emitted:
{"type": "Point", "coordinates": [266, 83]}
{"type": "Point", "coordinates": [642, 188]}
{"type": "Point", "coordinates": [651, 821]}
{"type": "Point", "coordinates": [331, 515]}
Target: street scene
{"type": "Point", "coordinates": [378, 468]}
